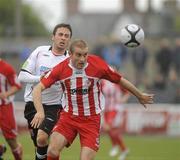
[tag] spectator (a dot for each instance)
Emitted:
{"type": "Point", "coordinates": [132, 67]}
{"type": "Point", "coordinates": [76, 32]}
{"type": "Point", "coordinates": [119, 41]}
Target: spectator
{"type": "Point", "coordinates": [163, 61]}
{"type": "Point", "coordinates": [114, 54]}
{"type": "Point", "coordinates": [139, 60]}
{"type": "Point", "coordinates": [176, 58]}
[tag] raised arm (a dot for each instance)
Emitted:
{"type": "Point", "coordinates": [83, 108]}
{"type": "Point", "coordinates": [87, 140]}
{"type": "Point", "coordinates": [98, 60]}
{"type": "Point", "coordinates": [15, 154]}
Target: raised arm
{"type": "Point", "coordinates": [143, 98]}
{"type": "Point", "coordinates": [39, 116]}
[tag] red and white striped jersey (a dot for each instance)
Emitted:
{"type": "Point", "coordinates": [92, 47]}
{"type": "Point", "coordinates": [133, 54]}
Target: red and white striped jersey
{"type": "Point", "coordinates": [113, 94]}
{"type": "Point", "coordinates": [8, 78]}
{"type": "Point", "coordinates": [82, 88]}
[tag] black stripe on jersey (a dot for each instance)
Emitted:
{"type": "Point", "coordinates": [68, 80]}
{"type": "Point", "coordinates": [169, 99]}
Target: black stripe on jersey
{"type": "Point", "coordinates": [65, 53]}
{"type": "Point", "coordinates": [26, 71]}
{"type": "Point", "coordinates": [50, 48]}
{"type": "Point", "coordinates": [30, 91]}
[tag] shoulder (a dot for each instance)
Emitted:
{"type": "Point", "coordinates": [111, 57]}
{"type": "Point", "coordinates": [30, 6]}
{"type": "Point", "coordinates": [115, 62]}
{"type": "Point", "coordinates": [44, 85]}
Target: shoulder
{"type": "Point", "coordinates": [96, 66]}
{"type": "Point", "coordinates": [39, 50]}
{"type": "Point", "coordinates": [8, 67]}
{"type": "Point", "coordinates": [43, 48]}
{"type": "Point", "coordinates": [63, 68]}
{"type": "Point", "coordinates": [6, 64]}
{"type": "Point", "coordinates": [64, 63]}
{"type": "Point", "coordinates": [94, 58]}
{"type": "Point", "coordinates": [97, 61]}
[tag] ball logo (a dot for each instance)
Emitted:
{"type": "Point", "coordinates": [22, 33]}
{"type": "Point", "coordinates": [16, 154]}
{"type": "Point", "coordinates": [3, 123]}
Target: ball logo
{"type": "Point", "coordinates": [132, 35]}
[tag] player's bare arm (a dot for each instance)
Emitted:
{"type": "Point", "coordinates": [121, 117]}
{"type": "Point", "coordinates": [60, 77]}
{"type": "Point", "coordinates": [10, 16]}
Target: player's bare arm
{"type": "Point", "coordinates": [143, 98]}
{"type": "Point", "coordinates": [39, 116]}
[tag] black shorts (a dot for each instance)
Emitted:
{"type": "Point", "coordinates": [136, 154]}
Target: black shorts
{"type": "Point", "coordinates": [51, 117]}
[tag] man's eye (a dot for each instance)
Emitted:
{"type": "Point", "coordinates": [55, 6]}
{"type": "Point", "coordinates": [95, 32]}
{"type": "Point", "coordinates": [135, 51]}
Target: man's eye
{"type": "Point", "coordinates": [67, 35]}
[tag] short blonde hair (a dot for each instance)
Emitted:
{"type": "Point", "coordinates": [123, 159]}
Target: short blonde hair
{"type": "Point", "coordinates": [79, 43]}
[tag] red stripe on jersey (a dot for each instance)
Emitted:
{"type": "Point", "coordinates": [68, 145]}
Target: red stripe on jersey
{"type": "Point", "coordinates": [91, 97]}
{"type": "Point", "coordinates": [2, 102]}
{"type": "Point", "coordinates": [68, 88]}
{"type": "Point", "coordinates": [63, 87]}
{"type": "Point", "coordinates": [0, 91]}
{"type": "Point", "coordinates": [79, 96]}
{"type": "Point", "coordinates": [6, 85]}
{"type": "Point", "coordinates": [99, 93]}
{"type": "Point", "coordinates": [0, 84]}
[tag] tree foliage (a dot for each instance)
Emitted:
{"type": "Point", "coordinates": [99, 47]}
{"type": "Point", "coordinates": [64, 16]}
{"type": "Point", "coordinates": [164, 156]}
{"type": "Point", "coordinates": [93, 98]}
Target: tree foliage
{"type": "Point", "coordinates": [32, 24]}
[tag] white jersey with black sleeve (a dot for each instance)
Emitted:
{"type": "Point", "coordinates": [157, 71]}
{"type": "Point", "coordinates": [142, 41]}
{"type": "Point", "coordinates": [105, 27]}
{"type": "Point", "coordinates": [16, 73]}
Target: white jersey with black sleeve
{"type": "Point", "coordinates": [38, 63]}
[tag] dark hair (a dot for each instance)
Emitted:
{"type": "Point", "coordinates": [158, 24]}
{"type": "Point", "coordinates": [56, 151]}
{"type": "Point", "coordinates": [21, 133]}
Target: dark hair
{"type": "Point", "coordinates": [62, 25]}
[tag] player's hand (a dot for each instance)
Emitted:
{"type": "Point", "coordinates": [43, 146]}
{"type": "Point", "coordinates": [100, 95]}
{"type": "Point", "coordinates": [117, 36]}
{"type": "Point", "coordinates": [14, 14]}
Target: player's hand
{"type": "Point", "coordinates": [38, 119]}
{"type": "Point", "coordinates": [146, 99]}
{"type": "Point", "coordinates": [3, 95]}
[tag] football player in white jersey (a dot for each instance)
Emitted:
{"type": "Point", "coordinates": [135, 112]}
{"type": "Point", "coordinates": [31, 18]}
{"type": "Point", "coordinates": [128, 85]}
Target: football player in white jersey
{"type": "Point", "coordinates": [41, 60]}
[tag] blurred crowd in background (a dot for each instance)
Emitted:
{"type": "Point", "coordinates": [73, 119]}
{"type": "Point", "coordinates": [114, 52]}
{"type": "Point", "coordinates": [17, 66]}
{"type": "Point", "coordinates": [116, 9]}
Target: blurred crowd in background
{"type": "Point", "coordinates": [153, 70]}
{"type": "Point", "coordinates": [154, 66]}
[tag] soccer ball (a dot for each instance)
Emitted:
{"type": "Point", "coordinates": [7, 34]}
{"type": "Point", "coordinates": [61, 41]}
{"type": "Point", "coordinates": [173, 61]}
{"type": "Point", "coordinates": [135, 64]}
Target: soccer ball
{"type": "Point", "coordinates": [132, 35]}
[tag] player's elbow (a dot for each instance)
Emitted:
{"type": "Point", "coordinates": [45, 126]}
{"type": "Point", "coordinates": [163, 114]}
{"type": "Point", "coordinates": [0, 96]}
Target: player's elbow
{"type": "Point", "coordinates": [20, 77]}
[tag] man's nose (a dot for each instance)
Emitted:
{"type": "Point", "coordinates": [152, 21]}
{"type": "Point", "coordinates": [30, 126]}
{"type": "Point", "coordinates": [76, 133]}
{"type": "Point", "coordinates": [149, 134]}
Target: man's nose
{"type": "Point", "coordinates": [82, 59]}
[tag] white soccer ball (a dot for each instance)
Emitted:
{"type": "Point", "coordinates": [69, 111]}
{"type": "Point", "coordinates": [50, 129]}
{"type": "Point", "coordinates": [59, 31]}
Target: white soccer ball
{"type": "Point", "coordinates": [132, 35]}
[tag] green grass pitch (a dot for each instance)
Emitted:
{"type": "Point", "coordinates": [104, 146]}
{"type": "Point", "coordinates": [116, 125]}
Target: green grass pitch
{"type": "Point", "coordinates": [141, 148]}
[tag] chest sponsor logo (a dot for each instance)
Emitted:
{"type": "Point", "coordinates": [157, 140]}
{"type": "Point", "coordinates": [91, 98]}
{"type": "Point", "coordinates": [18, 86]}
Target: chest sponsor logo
{"type": "Point", "coordinates": [79, 91]}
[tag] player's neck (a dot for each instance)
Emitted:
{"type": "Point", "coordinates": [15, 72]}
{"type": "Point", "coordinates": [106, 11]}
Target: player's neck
{"type": "Point", "coordinates": [58, 52]}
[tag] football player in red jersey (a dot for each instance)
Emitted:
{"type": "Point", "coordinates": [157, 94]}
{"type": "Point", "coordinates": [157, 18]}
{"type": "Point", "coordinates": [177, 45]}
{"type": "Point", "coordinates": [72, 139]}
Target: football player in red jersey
{"type": "Point", "coordinates": [80, 75]}
{"type": "Point", "coordinates": [9, 85]}
{"type": "Point", "coordinates": [115, 97]}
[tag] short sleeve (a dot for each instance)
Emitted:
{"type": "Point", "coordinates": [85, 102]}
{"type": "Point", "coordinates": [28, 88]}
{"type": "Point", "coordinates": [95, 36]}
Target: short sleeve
{"type": "Point", "coordinates": [108, 72]}
{"type": "Point", "coordinates": [30, 63]}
